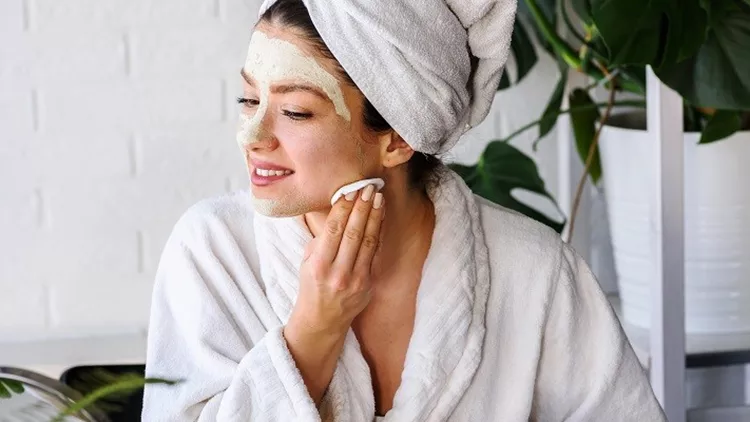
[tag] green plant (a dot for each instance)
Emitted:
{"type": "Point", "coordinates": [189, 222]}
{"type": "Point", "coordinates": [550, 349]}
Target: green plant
{"type": "Point", "coordinates": [700, 48]}
{"type": "Point", "coordinates": [107, 391]}
{"type": "Point", "coordinates": [9, 387]}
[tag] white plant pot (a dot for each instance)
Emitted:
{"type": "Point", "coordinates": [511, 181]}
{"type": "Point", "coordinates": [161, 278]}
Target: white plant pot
{"type": "Point", "coordinates": [717, 225]}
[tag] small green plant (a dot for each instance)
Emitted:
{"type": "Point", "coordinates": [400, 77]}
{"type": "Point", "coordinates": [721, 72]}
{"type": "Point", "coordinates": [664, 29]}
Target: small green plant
{"type": "Point", "coordinates": [9, 387]}
{"type": "Point", "coordinates": [107, 391]}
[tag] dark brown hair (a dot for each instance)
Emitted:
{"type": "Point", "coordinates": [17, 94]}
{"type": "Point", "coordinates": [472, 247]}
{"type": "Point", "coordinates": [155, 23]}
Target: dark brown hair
{"type": "Point", "coordinates": [421, 168]}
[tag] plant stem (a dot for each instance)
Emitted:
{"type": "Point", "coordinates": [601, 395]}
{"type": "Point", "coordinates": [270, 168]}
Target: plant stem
{"type": "Point", "coordinates": [585, 41]}
{"type": "Point", "coordinates": [565, 51]}
{"type": "Point", "coordinates": [604, 81]}
{"type": "Point", "coordinates": [589, 159]}
{"type": "Point", "coordinates": [624, 103]}
{"type": "Point", "coordinates": [566, 18]}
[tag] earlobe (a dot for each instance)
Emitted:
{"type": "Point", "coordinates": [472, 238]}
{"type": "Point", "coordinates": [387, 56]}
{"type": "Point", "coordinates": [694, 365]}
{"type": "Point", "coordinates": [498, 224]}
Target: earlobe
{"type": "Point", "coordinates": [396, 151]}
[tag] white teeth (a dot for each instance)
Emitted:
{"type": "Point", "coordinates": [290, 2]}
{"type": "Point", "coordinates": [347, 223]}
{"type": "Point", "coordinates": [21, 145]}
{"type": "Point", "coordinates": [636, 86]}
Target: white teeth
{"type": "Point", "coordinates": [267, 173]}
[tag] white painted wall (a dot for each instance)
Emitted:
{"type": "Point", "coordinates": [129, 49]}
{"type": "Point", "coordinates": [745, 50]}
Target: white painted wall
{"type": "Point", "coordinates": [115, 116]}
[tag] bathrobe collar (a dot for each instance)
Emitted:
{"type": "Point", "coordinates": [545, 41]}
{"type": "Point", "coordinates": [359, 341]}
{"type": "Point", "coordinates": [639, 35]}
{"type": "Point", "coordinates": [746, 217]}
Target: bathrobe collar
{"type": "Point", "coordinates": [446, 345]}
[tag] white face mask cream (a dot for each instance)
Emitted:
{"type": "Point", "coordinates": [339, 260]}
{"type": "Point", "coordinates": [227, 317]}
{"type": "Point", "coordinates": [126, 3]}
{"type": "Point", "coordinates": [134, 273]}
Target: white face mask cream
{"type": "Point", "coordinates": [271, 60]}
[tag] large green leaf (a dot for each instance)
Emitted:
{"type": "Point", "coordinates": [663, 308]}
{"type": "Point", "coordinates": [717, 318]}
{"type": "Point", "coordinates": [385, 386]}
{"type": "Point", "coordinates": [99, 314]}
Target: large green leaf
{"type": "Point", "coordinates": [636, 75]}
{"type": "Point", "coordinates": [718, 76]}
{"type": "Point", "coordinates": [686, 42]}
{"type": "Point", "coordinates": [584, 120]}
{"type": "Point", "coordinates": [552, 111]}
{"type": "Point", "coordinates": [504, 80]}
{"type": "Point", "coordinates": [523, 51]}
{"type": "Point", "coordinates": [524, 54]}
{"type": "Point", "coordinates": [502, 169]}
{"type": "Point", "coordinates": [630, 29]}
{"type": "Point", "coordinates": [649, 32]}
{"type": "Point", "coordinates": [722, 124]}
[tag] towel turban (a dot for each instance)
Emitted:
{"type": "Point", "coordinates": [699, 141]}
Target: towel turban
{"type": "Point", "coordinates": [430, 67]}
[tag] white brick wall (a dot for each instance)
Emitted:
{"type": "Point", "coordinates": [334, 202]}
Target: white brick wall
{"type": "Point", "coordinates": [115, 116]}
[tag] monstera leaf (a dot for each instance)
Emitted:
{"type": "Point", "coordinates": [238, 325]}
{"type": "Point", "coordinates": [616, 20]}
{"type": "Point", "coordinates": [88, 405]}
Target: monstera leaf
{"type": "Point", "coordinates": [502, 170]}
{"type": "Point", "coordinates": [721, 125]}
{"type": "Point", "coordinates": [522, 46]}
{"type": "Point", "coordinates": [524, 54]}
{"type": "Point", "coordinates": [648, 32]}
{"type": "Point", "coordinates": [718, 76]}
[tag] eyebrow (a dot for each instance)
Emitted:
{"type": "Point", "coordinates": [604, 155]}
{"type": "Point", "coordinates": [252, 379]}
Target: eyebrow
{"type": "Point", "coordinates": [287, 88]}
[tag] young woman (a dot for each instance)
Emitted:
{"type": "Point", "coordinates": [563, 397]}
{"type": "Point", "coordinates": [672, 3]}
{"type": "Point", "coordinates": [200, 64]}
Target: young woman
{"type": "Point", "coordinates": [415, 302]}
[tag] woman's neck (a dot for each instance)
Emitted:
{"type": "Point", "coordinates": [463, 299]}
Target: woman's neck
{"type": "Point", "coordinates": [407, 229]}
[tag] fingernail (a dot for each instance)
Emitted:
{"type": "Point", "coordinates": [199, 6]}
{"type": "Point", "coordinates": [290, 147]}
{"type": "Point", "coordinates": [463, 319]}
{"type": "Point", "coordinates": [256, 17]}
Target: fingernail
{"type": "Point", "coordinates": [367, 193]}
{"type": "Point", "coordinates": [350, 196]}
{"type": "Point", "coordinates": [378, 202]}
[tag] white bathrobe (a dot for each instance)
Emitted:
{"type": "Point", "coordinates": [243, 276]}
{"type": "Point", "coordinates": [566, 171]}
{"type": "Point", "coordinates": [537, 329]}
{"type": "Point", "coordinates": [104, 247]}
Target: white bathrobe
{"type": "Point", "coordinates": [510, 326]}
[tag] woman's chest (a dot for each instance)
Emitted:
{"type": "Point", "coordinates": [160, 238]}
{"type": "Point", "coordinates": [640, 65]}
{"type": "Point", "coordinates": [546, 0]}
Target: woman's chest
{"type": "Point", "coordinates": [384, 340]}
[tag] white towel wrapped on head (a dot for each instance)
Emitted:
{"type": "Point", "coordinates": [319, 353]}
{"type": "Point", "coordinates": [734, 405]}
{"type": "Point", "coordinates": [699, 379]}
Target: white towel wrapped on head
{"type": "Point", "coordinates": [430, 67]}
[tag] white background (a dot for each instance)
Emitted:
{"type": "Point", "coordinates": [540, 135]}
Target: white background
{"type": "Point", "coordinates": [115, 116]}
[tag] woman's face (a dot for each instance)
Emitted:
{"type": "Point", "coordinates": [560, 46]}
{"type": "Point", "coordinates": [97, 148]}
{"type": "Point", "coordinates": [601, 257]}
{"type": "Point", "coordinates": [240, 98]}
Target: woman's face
{"type": "Point", "coordinates": [301, 129]}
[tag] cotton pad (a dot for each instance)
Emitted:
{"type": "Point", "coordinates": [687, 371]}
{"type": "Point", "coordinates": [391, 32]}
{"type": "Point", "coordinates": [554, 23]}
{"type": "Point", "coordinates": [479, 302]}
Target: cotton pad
{"type": "Point", "coordinates": [353, 187]}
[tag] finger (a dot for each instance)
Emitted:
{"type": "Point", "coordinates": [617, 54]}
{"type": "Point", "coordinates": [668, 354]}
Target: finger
{"type": "Point", "coordinates": [355, 230]}
{"type": "Point", "coordinates": [328, 244]}
{"type": "Point", "coordinates": [371, 240]}
{"type": "Point", "coordinates": [309, 249]}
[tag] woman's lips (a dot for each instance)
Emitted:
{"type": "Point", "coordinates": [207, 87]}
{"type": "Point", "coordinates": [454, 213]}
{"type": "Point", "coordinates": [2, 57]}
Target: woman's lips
{"type": "Point", "coordinates": [264, 174]}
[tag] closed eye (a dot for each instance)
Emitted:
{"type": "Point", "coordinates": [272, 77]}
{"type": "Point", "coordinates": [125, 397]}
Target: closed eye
{"type": "Point", "coordinates": [296, 116]}
{"type": "Point", "coordinates": [247, 101]}
{"type": "Point", "coordinates": [251, 102]}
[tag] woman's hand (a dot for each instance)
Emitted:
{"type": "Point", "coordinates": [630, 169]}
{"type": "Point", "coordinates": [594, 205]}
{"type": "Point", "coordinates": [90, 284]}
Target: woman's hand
{"type": "Point", "coordinates": [334, 288]}
{"type": "Point", "coordinates": [335, 274]}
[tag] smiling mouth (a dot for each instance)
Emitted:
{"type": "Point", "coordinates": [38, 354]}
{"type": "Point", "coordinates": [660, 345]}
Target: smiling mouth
{"type": "Point", "coordinates": [265, 177]}
{"type": "Point", "coordinates": [272, 173]}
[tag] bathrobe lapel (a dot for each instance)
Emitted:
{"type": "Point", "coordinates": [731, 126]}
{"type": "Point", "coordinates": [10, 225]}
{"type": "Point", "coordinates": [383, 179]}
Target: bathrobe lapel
{"type": "Point", "coordinates": [350, 395]}
{"type": "Point", "coordinates": [446, 346]}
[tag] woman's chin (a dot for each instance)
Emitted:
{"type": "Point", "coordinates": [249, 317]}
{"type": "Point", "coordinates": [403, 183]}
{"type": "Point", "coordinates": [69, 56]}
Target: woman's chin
{"type": "Point", "coordinates": [278, 207]}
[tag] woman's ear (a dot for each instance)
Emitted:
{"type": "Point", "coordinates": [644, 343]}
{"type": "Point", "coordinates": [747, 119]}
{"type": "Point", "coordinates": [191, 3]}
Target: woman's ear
{"type": "Point", "coordinates": [394, 150]}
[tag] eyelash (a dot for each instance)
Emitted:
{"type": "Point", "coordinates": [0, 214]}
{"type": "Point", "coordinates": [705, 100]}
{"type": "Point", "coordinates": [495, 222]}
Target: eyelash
{"type": "Point", "coordinates": [248, 102]}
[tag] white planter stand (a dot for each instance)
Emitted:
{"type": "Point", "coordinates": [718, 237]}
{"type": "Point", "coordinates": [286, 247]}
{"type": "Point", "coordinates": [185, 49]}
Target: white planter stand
{"type": "Point", "coordinates": [717, 225]}
{"type": "Point", "coordinates": [663, 347]}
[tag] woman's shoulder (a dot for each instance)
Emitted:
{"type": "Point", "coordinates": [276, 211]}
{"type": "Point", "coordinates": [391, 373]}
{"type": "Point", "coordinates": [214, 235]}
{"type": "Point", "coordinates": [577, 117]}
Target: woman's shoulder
{"type": "Point", "coordinates": [510, 232]}
{"type": "Point", "coordinates": [230, 214]}
{"type": "Point", "coordinates": [523, 253]}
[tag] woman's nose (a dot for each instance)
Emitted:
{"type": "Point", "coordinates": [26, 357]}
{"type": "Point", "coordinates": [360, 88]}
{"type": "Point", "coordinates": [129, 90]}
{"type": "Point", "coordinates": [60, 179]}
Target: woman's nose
{"type": "Point", "coordinates": [265, 140]}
